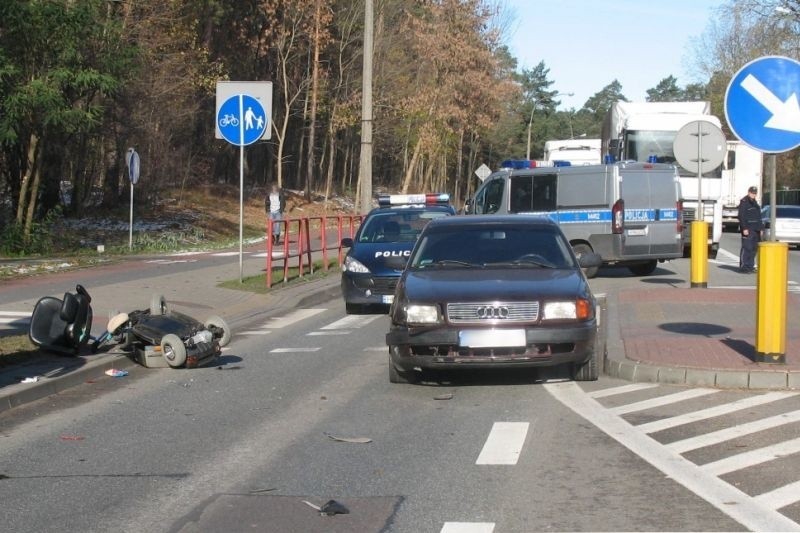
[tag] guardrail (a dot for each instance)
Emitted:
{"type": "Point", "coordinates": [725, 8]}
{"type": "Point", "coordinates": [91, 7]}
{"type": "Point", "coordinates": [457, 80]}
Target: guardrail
{"type": "Point", "coordinates": [303, 236]}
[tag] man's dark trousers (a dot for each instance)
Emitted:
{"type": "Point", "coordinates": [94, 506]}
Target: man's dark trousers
{"type": "Point", "coordinates": [747, 255]}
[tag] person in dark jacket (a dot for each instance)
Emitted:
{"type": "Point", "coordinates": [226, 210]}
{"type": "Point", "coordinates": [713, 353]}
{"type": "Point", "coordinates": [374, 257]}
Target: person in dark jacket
{"type": "Point", "coordinates": [275, 204]}
{"type": "Point", "coordinates": [751, 227]}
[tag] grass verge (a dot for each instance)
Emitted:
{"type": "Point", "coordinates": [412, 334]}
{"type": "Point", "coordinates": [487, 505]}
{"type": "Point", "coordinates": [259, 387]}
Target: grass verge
{"type": "Point", "coordinates": [16, 349]}
{"type": "Point", "coordinates": [258, 283]}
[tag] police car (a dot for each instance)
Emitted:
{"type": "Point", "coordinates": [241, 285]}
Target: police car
{"type": "Point", "coordinates": [389, 230]}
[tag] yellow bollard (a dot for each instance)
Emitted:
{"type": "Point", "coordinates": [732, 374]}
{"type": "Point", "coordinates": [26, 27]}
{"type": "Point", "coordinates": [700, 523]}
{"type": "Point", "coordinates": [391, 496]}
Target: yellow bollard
{"type": "Point", "coordinates": [773, 267]}
{"type": "Point", "coordinates": [699, 264]}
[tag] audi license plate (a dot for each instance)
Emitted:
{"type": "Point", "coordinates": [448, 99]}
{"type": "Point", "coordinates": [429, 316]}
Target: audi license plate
{"type": "Point", "coordinates": [387, 298]}
{"type": "Point", "coordinates": [492, 338]}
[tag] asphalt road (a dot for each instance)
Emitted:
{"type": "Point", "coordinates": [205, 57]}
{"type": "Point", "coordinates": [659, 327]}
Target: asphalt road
{"type": "Point", "coordinates": [282, 421]}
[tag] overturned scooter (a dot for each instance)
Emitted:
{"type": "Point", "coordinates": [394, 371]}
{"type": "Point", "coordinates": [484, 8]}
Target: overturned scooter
{"type": "Point", "coordinates": [156, 337]}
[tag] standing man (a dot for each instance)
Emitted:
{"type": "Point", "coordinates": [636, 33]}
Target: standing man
{"type": "Point", "coordinates": [275, 204]}
{"type": "Point", "coordinates": [751, 226]}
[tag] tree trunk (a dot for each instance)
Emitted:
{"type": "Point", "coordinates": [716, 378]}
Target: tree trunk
{"type": "Point", "coordinates": [331, 164]}
{"type": "Point", "coordinates": [33, 148]}
{"type": "Point", "coordinates": [313, 113]}
{"type": "Point", "coordinates": [37, 175]}
{"type": "Point", "coordinates": [412, 165]}
{"type": "Point", "coordinates": [459, 168]}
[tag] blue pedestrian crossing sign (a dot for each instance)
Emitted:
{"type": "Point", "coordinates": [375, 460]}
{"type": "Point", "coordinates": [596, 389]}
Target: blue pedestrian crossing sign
{"type": "Point", "coordinates": [242, 120]}
{"type": "Point", "coordinates": [761, 104]}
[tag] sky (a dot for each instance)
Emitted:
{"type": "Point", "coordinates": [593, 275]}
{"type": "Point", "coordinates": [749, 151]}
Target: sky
{"type": "Point", "coordinates": [587, 44]}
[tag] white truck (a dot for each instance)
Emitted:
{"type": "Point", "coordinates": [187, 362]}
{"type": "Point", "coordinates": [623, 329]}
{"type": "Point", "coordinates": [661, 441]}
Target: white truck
{"type": "Point", "coordinates": [577, 152]}
{"type": "Point", "coordinates": [645, 131]}
{"type": "Point", "coordinates": [741, 170]}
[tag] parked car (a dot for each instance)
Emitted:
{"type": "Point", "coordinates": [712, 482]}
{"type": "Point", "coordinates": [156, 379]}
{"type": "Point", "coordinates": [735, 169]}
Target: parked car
{"type": "Point", "coordinates": [484, 291]}
{"type": "Point", "coordinates": [787, 223]}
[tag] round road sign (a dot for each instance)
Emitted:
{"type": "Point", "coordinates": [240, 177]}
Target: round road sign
{"type": "Point", "coordinates": [700, 142]}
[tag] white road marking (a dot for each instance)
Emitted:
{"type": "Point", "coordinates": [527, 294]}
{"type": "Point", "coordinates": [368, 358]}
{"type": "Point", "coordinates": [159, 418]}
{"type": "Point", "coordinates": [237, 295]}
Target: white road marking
{"type": "Point", "coordinates": [746, 510]}
{"type": "Point", "coordinates": [227, 254]}
{"type": "Point", "coordinates": [780, 497]}
{"type": "Point", "coordinates": [716, 437]}
{"type": "Point", "coordinates": [279, 322]}
{"type": "Point", "coordinates": [662, 400]}
{"type": "Point", "coordinates": [467, 527]}
{"type": "Point", "coordinates": [752, 458]}
{"type": "Point", "coordinates": [728, 255]}
{"type": "Point", "coordinates": [711, 412]}
{"type": "Point", "coordinates": [351, 322]}
{"type": "Point", "coordinates": [335, 332]}
{"type": "Point", "coordinates": [294, 350]}
{"type": "Point", "coordinates": [171, 261]}
{"type": "Point", "coordinates": [622, 389]}
{"type": "Point", "coordinates": [255, 332]}
{"type": "Point", "coordinates": [7, 317]}
{"type": "Point", "coordinates": [504, 444]}
{"type": "Point", "coordinates": [376, 349]}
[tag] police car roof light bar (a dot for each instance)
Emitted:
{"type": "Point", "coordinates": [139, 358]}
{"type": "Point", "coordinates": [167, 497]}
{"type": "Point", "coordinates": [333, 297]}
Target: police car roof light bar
{"type": "Point", "coordinates": [406, 199]}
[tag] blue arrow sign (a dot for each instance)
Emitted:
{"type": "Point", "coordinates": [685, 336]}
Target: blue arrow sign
{"type": "Point", "coordinates": [761, 104]}
{"type": "Point", "coordinates": [242, 120]}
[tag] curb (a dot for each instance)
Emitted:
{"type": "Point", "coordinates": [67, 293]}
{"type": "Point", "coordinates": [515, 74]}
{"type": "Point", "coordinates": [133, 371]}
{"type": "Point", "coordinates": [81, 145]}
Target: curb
{"type": "Point", "coordinates": [637, 371]}
{"type": "Point", "coordinates": [91, 370]}
{"type": "Point", "coordinates": [96, 367]}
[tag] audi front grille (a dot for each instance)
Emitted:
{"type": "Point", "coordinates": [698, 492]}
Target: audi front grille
{"type": "Point", "coordinates": [492, 312]}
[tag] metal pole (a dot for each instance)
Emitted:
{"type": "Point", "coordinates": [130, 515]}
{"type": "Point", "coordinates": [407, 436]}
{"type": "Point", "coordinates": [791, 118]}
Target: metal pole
{"type": "Point", "coordinates": [241, 186]}
{"type": "Point", "coordinates": [773, 195]}
{"type": "Point", "coordinates": [130, 224]}
{"type": "Point", "coordinates": [365, 164]}
{"type": "Point", "coordinates": [700, 171]}
{"type": "Point", "coordinates": [530, 126]}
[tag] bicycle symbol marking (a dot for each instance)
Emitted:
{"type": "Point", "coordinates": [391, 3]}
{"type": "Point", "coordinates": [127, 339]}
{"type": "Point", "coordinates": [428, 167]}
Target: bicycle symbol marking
{"type": "Point", "coordinates": [228, 120]}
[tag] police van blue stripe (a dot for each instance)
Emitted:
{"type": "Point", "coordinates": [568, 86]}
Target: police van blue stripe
{"type": "Point", "coordinates": [604, 215]}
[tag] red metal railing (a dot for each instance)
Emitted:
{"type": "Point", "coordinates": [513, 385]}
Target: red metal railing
{"type": "Point", "coordinates": [302, 237]}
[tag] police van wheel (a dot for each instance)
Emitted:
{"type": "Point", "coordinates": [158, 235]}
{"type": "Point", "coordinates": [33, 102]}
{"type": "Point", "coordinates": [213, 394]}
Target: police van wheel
{"type": "Point", "coordinates": [643, 269]}
{"type": "Point", "coordinates": [581, 249]}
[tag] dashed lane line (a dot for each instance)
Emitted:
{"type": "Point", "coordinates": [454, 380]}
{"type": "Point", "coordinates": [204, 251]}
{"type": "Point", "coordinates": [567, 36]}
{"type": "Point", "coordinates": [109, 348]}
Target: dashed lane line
{"type": "Point", "coordinates": [295, 316]}
{"type": "Point", "coordinates": [334, 332]}
{"type": "Point", "coordinates": [467, 527]}
{"type": "Point", "coordinates": [622, 389]}
{"type": "Point", "coordinates": [722, 435]}
{"type": "Point", "coordinates": [351, 322]}
{"type": "Point", "coordinates": [752, 458]}
{"type": "Point", "coordinates": [294, 350]}
{"type": "Point", "coordinates": [504, 444]}
{"type": "Point", "coordinates": [255, 332]}
{"type": "Point", "coordinates": [711, 412]}
{"type": "Point", "coordinates": [662, 400]}
{"type": "Point", "coordinates": [751, 512]}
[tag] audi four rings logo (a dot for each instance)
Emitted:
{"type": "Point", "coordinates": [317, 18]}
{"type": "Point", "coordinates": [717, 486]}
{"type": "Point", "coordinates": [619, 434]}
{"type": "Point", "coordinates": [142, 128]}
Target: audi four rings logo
{"type": "Point", "coordinates": [492, 311]}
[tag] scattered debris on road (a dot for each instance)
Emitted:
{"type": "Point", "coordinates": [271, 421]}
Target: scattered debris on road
{"type": "Point", "coordinates": [330, 508]}
{"type": "Point", "coordinates": [32, 379]}
{"type": "Point", "coordinates": [446, 396]}
{"type": "Point", "coordinates": [116, 373]}
{"type": "Point", "coordinates": [352, 440]}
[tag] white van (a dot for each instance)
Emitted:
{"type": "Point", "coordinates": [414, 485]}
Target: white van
{"type": "Point", "coordinates": [629, 213]}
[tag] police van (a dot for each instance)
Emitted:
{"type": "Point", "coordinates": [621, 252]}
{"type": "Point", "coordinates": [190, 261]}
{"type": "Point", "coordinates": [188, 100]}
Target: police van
{"type": "Point", "coordinates": [390, 230]}
{"type": "Point", "coordinates": [629, 213]}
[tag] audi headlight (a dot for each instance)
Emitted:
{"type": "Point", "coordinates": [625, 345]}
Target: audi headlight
{"type": "Point", "coordinates": [580, 309]}
{"type": "Point", "coordinates": [422, 314]}
{"type": "Point", "coordinates": [354, 265]}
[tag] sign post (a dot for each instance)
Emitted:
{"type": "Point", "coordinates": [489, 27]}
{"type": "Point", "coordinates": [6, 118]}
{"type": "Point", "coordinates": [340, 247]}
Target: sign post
{"type": "Point", "coordinates": [699, 145]}
{"type": "Point", "coordinates": [762, 109]}
{"type": "Point", "coordinates": [241, 120]}
{"type": "Point", "coordinates": [132, 160]}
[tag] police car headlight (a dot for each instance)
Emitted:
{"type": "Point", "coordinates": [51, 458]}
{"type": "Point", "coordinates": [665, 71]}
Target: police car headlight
{"type": "Point", "coordinates": [354, 265]}
{"type": "Point", "coordinates": [580, 309]}
{"type": "Point", "coordinates": [422, 314]}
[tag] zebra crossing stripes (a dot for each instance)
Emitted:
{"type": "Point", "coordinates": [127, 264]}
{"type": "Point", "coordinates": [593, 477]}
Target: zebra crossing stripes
{"type": "Point", "coordinates": [730, 433]}
{"type": "Point", "coordinates": [780, 497]}
{"type": "Point", "coordinates": [351, 322]}
{"type": "Point", "coordinates": [752, 458]}
{"type": "Point", "coordinates": [662, 400]}
{"type": "Point", "coordinates": [7, 317]}
{"type": "Point", "coordinates": [622, 389]}
{"type": "Point", "coordinates": [467, 527]}
{"type": "Point", "coordinates": [711, 412]}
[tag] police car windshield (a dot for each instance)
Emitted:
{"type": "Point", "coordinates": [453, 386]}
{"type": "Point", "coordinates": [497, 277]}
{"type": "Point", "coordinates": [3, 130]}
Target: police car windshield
{"type": "Point", "coordinates": [396, 226]}
{"type": "Point", "coordinates": [496, 247]}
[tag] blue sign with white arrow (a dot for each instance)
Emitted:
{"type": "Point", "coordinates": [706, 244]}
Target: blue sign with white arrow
{"type": "Point", "coordinates": [761, 104]}
{"type": "Point", "coordinates": [242, 120]}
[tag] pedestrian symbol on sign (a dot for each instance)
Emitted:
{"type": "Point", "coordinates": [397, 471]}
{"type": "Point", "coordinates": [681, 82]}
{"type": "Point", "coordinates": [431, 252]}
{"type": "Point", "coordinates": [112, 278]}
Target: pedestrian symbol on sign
{"type": "Point", "coordinates": [242, 120]}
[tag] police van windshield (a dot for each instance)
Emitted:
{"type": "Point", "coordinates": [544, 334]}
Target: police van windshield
{"type": "Point", "coordinates": [497, 246]}
{"type": "Point", "coordinates": [396, 226]}
{"type": "Point", "coordinates": [641, 145]}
